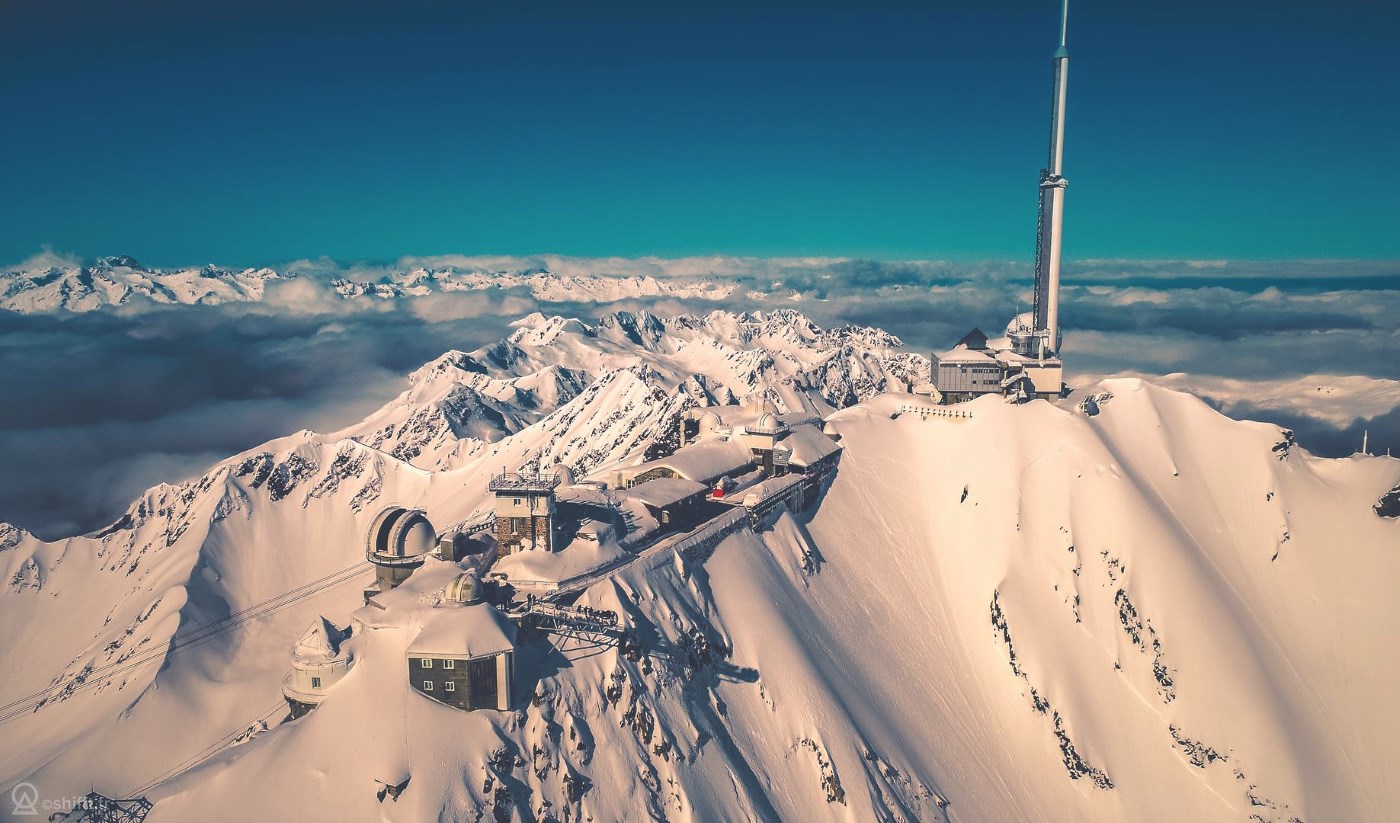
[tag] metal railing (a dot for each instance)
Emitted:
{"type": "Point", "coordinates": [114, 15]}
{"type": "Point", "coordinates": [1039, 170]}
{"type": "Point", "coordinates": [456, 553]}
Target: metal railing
{"type": "Point", "coordinates": [520, 482]}
{"type": "Point", "coordinates": [925, 412]}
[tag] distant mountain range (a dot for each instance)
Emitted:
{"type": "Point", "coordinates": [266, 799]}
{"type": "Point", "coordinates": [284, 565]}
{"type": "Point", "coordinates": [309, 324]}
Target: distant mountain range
{"type": "Point", "coordinates": [117, 281]}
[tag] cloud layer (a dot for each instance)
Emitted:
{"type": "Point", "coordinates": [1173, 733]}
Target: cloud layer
{"type": "Point", "coordinates": [106, 403]}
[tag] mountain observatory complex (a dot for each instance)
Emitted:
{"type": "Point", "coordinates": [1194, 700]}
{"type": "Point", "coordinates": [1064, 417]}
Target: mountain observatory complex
{"type": "Point", "coordinates": [1024, 362]}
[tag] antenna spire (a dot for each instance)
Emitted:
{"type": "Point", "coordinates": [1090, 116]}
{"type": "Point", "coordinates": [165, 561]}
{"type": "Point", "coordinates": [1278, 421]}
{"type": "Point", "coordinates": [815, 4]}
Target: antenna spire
{"type": "Point", "coordinates": [1064, 22]}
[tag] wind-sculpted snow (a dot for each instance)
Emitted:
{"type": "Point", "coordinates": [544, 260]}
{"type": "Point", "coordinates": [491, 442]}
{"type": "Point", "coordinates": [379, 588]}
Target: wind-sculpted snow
{"type": "Point", "coordinates": [1179, 619]}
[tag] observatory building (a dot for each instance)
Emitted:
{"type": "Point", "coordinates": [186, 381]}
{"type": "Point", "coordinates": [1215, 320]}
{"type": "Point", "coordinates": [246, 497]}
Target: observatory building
{"type": "Point", "coordinates": [398, 542]}
{"type": "Point", "coordinates": [318, 662]}
{"type": "Point", "coordinates": [1025, 362]}
{"type": "Point", "coordinates": [465, 654]}
{"type": "Point", "coordinates": [524, 511]}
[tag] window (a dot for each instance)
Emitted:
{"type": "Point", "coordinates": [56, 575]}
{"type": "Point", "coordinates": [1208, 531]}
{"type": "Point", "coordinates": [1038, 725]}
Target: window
{"type": "Point", "coordinates": [449, 664]}
{"type": "Point", "coordinates": [449, 686]}
{"type": "Point", "coordinates": [517, 501]}
{"type": "Point", "coordinates": [426, 662]}
{"type": "Point", "coordinates": [427, 685]}
{"type": "Point", "coordinates": [315, 682]}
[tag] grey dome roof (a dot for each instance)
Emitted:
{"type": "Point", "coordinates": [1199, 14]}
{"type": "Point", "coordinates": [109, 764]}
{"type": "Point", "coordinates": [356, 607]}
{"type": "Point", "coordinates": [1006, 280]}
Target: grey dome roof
{"type": "Point", "coordinates": [767, 424]}
{"type": "Point", "coordinates": [398, 533]}
{"type": "Point", "coordinates": [465, 588]}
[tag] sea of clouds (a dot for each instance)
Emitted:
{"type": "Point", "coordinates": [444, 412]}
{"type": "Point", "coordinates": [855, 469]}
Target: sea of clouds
{"type": "Point", "coordinates": [101, 405]}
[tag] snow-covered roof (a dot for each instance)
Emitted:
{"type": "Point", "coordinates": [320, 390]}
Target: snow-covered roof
{"type": "Point", "coordinates": [704, 461]}
{"type": "Point", "coordinates": [809, 445]}
{"type": "Point", "coordinates": [961, 354]}
{"type": "Point", "coordinates": [583, 496]}
{"type": "Point", "coordinates": [1021, 323]}
{"type": "Point", "coordinates": [320, 643]}
{"type": "Point", "coordinates": [767, 423]}
{"type": "Point", "coordinates": [1012, 358]}
{"type": "Point", "coordinates": [666, 491]}
{"type": "Point", "coordinates": [476, 630]}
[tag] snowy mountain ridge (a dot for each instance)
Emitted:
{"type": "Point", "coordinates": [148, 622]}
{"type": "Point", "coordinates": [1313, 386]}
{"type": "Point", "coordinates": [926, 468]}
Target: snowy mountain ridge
{"type": "Point", "coordinates": [118, 281]}
{"type": "Point", "coordinates": [461, 403]}
{"type": "Point", "coordinates": [1097, 609]}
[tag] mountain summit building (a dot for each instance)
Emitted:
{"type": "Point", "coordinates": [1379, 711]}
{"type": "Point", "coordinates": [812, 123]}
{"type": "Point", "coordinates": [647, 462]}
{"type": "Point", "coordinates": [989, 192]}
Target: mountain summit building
{"type": "Point", "coordinates": [1024, 362]}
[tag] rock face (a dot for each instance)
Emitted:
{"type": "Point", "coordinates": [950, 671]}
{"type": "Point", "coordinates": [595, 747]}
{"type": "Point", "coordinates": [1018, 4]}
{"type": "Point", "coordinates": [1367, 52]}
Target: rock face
{"type": "Point", "coordinates": [1389, 504]}
{"type": "Point", "coordinates": [1025, 612]}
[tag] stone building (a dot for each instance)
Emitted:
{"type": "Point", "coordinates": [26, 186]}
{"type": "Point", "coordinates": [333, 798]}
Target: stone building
{"type": "Point", "coordinates": [524, 511]}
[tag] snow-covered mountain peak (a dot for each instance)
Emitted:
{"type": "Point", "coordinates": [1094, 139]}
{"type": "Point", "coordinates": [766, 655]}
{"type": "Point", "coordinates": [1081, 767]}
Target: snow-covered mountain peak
{"type": "Point", "coordinates": [460, 402]}
{"type": "Point", "coordinates": [1093, 609]}
{"type": "Point", "coordinates": [122, 261]}
{"type": "Point", "coordinates": [11, 535]}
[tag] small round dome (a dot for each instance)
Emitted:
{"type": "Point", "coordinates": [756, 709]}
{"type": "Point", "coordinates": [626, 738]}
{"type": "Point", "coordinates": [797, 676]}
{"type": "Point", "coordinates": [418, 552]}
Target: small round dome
{"type": "Point", "coordinates": [465, 588]}
{"type": "Point", "coordinates": [1021, 323]}
{"type": "Point", "coordinates": [565, 475]}
{"type": "Point", "coordinates": [398, 532]}
{"type": "Point", "coordinates": [767, 424]}
{"type": "Point", "coordinates": [710, 422]}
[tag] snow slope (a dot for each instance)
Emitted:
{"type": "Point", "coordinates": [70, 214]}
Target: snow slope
{"type": "Point", "coordinates": [1337, 399]}
{"type": "Point", "coordinates": [1130, 608]}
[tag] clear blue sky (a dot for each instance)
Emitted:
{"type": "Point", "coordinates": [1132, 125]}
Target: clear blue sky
{"type": "Point", "coordinates": [251, 132]}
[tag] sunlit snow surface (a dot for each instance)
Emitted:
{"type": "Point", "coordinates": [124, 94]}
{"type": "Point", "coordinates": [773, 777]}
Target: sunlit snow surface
{"type": "Point", "coordinates": [1006, 614]}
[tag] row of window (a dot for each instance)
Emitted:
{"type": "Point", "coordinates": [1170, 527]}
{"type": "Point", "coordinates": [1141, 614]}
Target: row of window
{"type": "Point", "coordinates": [427, 663]}
{"type": "Point", "coordinates": [449, 686]}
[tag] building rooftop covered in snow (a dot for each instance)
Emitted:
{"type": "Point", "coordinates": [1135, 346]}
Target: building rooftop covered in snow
{"type": "Point", "coordinates": [673, 501]}
{"type": "Point", "coordinates": [704, 462]}
{"type": "Point", "coordinates": [464, 654]}
{"type": "Point", "coordinates": [318, 662]}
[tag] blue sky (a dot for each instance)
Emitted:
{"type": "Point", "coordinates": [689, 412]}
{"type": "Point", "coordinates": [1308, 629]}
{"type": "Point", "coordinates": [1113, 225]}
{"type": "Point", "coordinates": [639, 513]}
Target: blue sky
{"type": "Point", "coordinates": [258, 132]}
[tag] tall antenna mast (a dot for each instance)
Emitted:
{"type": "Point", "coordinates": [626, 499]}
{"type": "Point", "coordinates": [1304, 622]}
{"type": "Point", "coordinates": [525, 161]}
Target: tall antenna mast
{"type": "Point", "coordinates": [1052, 201]}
